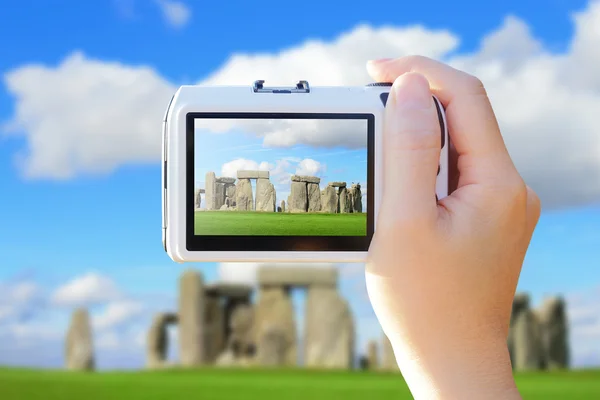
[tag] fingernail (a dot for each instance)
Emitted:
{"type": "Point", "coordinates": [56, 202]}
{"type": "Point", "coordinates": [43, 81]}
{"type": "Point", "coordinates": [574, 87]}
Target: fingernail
{"type": "Point", "coordinates": [378, 61]}
{"type": "Point", "coordinates": [411, 91]}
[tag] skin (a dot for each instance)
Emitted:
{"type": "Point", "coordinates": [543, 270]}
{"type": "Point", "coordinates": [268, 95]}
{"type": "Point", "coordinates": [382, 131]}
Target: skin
{"type": "Point", "coordinates": [442, 276]}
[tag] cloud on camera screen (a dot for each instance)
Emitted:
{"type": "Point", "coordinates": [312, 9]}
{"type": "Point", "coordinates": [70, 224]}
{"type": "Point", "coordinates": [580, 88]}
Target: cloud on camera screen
{"type": "Point", "coordinates": [280, 176]}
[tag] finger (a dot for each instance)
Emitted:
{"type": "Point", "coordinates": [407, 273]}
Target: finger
{"type": "Point", "coordinates": [472, 124]}
{"type": "Point", "coordinates": [411, 148]}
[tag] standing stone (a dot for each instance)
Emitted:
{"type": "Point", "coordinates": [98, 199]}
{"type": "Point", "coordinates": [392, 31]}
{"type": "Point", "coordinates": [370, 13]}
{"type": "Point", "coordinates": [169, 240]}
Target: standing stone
{"type": "Point", "coordinates": [223, 299]}
{"type": "Point", "coordinates": [372, 356]}
{"type": "Point", "coordinates": [265, 195]}
{"type": "Point", "coordinates": [226, 194]}
{"type": "Point", "coordinates": [356, 199]}
{"type": "Point", "coordinates": [219, 196]}
{"type": "Point", "coordinates": [214, 328]}
{"type": "Point", "coordinates": [272, 346]}
{"type": "Point", "coordinates": [209, 189]}
{"type": "Point", "coordinates": [198, 199]}
{"type": "Point", "coordinates": [553, 321]}
{"type": "Point", "coordinates": [527, 342]}
{"type": "Point", "coordinates": [520, 304]}
{"type": "Point", "coordinates": [191, 319]}
{"type": "Point", "coordinates": [274, 317]}
{"type": "Point", "coordinates": [344, 206]}
{"type": "Point", "coordinates": [282, 205]}
{"type": "Point", "coordinates": [329, 333]}
{"type": "Point", "coordinates": [350, 199]}
{"type": "Point", "coordinates": [241, 341]}
{"type": "Point", "coordinates": [363, 363]}
{"type": "Point", "coordinates": [230, 199]}
{"type": "Point", "coordinates": [388, 358]}
{"type": "Point", "coordinates": [329, 200]}
{"type": "Point", "coordinates": [314, 197]}
{"type": "Point", "coordinates": [243, 195]}
{"type": "Point", "coordinates": [157, 342]}
{"type": "Point", "coordinates": [298, 200]}
{"type": "Point", "coordinates": [79, 348]}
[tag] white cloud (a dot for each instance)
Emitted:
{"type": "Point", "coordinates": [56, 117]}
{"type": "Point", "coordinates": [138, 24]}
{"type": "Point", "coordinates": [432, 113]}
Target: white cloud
{"type": "Point", "coordinates": [88, 289]}
{"type": "Point", "coordinates": [350, 134]}
{"type": "Point", "coordinates": [339, 62]}
{"type": "Point", "coordinates": [29, 333]}
{"type": "Point", "coordinates": [108, 341]}
{"type": "Point", "coordinates": [546, 114]}
{"type": "Point", "coordinates": [242, 273]}
{"type": "Point", "coordinates": [583, 313]}
{"type": "Point", "coordinates": [25, 319]}
{"type": "Point", "coordinates": [310, 167]}
{"type": "Point", "coordinates": [19, 292]}
{"type": "Point", "coordinates": [86, 116]}
{"type": "Point", "coordinates": [34, 321]}
{"type": "Point", "coordinates": [24, 291]}
{"type": "Point", "coordinates": [231, 168]}
{"type": "Point", "coordinates": [78, 117]}
{"type": "Point", "coordinates": [279, 173]}
{"type": "Point", "coordinates": [18, 300]}
{"type": "Point", "coordinates": [175, 13]}
{"type": "Point", "coordinates": [246, 273]}
{"type": "Point", "coordinates": [118, 312]}
{"type": "Point", "coordinates": [318, 133]}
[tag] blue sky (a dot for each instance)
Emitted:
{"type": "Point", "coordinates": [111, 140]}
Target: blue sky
{"type": "Point", "coordinates": [85, 83]}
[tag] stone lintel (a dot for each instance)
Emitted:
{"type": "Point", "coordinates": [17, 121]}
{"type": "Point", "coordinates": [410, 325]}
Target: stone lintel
{"type": "Point", "coordinates": [306, 178]}
{"type": "Point", "coordinates": [225, 179]}
{"type": "Point", "coordinates": [246, 174]}
{"type": "Point", "coordinates": [231, 290]}
{"type": "Point", "coordinates": [166, 318]}
{"type": "Point", "coordinates": [521, 299]}
{"type": "Point", "coordinates": [337, 184]}
{"type": "Point", "coordinates": [297, 275]}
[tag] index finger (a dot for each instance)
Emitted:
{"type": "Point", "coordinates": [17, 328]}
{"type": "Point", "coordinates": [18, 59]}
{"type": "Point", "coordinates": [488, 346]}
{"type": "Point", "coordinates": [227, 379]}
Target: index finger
{"type": "Point", "coordinates": [472, 123]}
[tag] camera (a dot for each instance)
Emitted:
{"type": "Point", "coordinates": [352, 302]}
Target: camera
{"type": "Point", "coordinates": [276, 174]}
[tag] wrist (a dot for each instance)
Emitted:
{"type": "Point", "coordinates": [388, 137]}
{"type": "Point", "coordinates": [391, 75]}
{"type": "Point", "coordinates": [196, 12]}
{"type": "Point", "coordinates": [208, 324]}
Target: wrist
{"type": "Point", "coordinates": [454, 370]}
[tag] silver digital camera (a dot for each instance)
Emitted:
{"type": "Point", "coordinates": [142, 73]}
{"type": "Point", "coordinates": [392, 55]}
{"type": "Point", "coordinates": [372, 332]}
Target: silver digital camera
{"type": "Point", "coordinates": [275, 174]}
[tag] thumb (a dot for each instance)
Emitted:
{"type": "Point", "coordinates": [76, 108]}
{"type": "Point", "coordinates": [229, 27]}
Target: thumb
{"type": "Point", "coordinates": [411, 149]}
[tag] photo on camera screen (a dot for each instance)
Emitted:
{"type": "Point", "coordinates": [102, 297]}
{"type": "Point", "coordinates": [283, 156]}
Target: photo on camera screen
{"type": "Point", "coordinates": [280, 177]}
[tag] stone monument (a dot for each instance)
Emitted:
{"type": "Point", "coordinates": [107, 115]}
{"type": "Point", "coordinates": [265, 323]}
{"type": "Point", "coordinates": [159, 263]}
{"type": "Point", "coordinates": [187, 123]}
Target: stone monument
{"type": "Point", "coordinates": [79, 348]}
{"type": "Point", "coordinates": [157, 341]}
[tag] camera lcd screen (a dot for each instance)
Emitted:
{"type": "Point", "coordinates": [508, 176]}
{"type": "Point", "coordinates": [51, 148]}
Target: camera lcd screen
{"type": "Point", "coordinates": [279, 181]}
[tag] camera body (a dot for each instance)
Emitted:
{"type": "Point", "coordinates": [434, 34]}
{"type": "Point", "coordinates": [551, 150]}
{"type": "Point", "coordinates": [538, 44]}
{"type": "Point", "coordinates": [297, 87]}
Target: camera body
{"type": "Point", "coordinates": [314, 194]}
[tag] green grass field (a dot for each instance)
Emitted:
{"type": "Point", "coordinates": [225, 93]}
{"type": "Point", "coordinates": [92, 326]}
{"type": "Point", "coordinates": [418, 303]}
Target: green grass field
{"type": "Point", "coordinates": [220, 384]}
{"type": "Point", "coordinates": [279, 224]}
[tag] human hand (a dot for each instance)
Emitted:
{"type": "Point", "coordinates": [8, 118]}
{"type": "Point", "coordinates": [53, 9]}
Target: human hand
{"type": "Point", "coordinates": [442, 276]}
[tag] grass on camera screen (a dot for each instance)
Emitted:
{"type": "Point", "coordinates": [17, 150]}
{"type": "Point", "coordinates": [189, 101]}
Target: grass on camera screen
{"type": "Point", "coordinates": [280, 177]}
